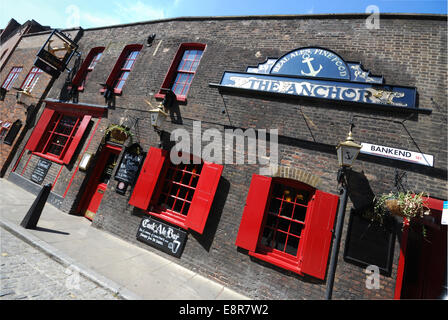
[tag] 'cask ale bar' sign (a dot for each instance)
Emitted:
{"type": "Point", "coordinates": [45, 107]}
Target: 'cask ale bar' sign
{"type": "Point", "coordinates": [162, 236]}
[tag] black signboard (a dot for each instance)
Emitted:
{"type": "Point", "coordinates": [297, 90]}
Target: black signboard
{"type": "Point", "coordinates": [56, 53]}
{"type": "Point", "coordinates": [369, 243]}
{"type": "Point", "coordinates": [130, 165]}
{"type": "Point", "coordinates": [162, 236]}
{"type": "Point", "coordinates": [40, 171]}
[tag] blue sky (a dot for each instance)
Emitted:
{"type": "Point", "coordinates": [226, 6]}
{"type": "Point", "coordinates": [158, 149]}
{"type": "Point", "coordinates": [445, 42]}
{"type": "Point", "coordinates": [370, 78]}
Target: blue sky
{"type": "Point", "coordinates": [96, 13]}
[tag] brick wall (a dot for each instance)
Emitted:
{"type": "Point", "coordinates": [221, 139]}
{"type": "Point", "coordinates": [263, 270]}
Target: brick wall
{"type": "Point", "coordinates": [407, 50]}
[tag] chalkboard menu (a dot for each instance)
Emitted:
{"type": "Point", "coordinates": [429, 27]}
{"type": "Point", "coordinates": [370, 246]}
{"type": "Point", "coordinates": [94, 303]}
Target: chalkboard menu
{"type": "Point", "coordinates": [40, 171]}
{"type": "Point", "coordinates": [368, 243]}
{"type": "Point", "coordinates": [130, 165]}
{"type": "Point", "coordinates": [162, 236]}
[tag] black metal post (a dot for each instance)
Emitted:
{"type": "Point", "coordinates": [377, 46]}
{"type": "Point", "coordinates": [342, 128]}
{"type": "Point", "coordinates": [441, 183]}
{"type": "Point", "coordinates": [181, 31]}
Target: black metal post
{"type": "Point", "coordinates": [338, 232]}
{"type": "Point", "coordinates": [33, 214]}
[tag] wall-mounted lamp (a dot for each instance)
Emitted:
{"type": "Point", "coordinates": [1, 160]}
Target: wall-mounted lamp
{"type": "Point", "coordinates": [158, 116]}
{"type": "Point", "coordinates": [85, 161]}
{"type": "Point", "coordinates": [22, 96]}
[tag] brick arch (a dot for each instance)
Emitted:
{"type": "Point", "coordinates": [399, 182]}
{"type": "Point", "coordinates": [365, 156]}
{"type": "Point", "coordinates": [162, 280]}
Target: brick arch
{"type": "Point", "coordinates": [295, 174]}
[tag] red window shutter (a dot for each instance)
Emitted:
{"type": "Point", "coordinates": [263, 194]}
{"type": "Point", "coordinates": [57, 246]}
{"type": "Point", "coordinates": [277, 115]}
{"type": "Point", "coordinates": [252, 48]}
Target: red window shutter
{"type": "Point", "coordinates": [203, 196]}
{"type": "Point", "coordinates": [317, 238]}
{"type": "Point", "coordinates": [147, 180]}
{"type": "Point", "coordinates": [39, 129]}
{"type": "Point", "coordinates": [76, 139]}
{"type": "Point", "coordinates": [250, 226]}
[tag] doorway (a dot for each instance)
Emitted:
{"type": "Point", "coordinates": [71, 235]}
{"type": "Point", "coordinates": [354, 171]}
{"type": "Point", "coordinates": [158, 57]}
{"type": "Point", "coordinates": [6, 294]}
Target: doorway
{"type": "Point", "coordinates": [424, 259]}
{"type": "Point", "coordinates": [98, 181]}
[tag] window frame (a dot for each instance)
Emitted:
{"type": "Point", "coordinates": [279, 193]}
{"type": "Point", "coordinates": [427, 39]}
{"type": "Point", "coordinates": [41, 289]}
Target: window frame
{"type": "Point", "coordinates": [31, 78]}
{"type": "Point", "coordinates": [313, 248]}
{"type": "Point", "coordinates": [172, 72]}
{"type": "Point", "coordinates": [83, 73]}
{"type": "Point", "coordinates": [11, 78]}
{"type": "Point", "coordinates": [118, 68]}
{"type": "Point", "coordinates": [273, 251]}
{"type": "Point", "coordinates": [148, 188]}
{"type": "Point", "coordinates": [40, 139]}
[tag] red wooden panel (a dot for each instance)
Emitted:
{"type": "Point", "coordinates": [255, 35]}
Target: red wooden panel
{"type": "Point", "coordinates": [250, 226]}
{"type": "Point", "coordinates": [76, 139]}
{"type": "Point", "coordinates": [39, 129]}
{"type": "Point", "coordinates": [203, 196]}
{"type": "Point", "coordinates": [318, 235]}
{"type": "Point", "coordinates": [147, 180]}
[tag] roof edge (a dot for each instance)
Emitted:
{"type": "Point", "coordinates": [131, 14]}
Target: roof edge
{"type": "Point", "coordinates": [414, 16]}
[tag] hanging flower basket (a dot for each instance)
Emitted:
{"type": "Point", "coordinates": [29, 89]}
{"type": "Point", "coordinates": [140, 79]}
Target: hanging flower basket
{"type": "Point", "coordinates": [393, 207]}
{"type": "Point", "coordinates": [403, 204]}
{"type": "Point", "coordinates": [118, 133]}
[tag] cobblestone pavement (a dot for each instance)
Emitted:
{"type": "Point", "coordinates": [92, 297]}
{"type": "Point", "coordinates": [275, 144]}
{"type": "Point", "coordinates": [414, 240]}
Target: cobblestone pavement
{"type": "Point", "coordinates": [27, 273]}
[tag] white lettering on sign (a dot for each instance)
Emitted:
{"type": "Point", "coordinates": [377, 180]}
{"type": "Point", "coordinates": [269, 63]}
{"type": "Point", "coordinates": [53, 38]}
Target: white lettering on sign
{"type": "Point", "coordinates": [399, 154]}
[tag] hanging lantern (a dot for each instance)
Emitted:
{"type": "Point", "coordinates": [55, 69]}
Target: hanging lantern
{"type": "Point", "coordinates": [347, 151]}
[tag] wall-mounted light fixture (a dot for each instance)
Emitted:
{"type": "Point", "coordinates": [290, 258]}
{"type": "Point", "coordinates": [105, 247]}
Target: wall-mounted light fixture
{"type": "Point", "coordinates": [158, 116]}
{"type": "Point", "coordinates": [85, 161]}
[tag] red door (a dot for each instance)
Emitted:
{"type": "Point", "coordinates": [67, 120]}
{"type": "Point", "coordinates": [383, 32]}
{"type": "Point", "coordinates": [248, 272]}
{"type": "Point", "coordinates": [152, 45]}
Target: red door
{"type": "Point", "coordinates": [423, 258]}
{"type": "Point", "coordinates": [100, 177]}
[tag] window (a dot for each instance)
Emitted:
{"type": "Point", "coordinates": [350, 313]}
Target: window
{"type": "Point", "coordinates": [122, 68]}
{"type": "Point", "coordinates": [12, 133]}
{"type": "Point", "coordinates": [4, 128]}
{"type": "Point", "coordinates": [31, 79]}
{"type": "Point", "coordinates": [182, 70]}
{"type": "Point", "coordinates": [87, 67]}
{"type": "Point", "coordinates": [288, 224]}
{"type": "Point", "coordinates": [12, 76]}
{"type": "Point", "coordinates": [178, 189]}
{"type": "Point", "coordinates": [57, 135]}
{"type": "Point", "coordinates": [180, 194]}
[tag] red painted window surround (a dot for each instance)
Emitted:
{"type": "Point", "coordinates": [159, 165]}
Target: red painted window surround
{"type": "Point", "coordinates": [12, 76]}
{"type": "Point", "coordinates": [87, 67]}
{"type": "Point", "coordinates": [31, 79]}
{"type": "Point", "coordinates": [179, 194]}
{"type": "Point", "coordinates": [290, 228]}
{"type": "Point", "coordinates": [182, 70]}
{"type": "Point", "coordinates": [122, 68]}
{"type": "Point", "coordinates": [57, 134]}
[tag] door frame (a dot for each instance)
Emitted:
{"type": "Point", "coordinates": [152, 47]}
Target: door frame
{"type": "Point", "coordinates": [436, 207]}
{"type": "Point", "coordinates": [92, 180]}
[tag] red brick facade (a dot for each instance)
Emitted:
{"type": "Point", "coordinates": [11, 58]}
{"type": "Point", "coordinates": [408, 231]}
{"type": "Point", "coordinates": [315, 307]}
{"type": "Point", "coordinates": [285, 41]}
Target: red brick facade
{"type": "Point", "coordinates": [408, 50]}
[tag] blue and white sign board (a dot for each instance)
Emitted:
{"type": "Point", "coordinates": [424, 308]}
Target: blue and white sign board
{"type": "Point", "coordinates": [321, 74]}
{"type": "Point", "coordinates": [445, 213]}
{"type": "Point", "coordinates": [397, 154]}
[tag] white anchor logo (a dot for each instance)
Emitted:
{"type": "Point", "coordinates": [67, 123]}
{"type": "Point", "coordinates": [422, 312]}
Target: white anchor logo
{"type": "Point", "coordinates": [312, 72]}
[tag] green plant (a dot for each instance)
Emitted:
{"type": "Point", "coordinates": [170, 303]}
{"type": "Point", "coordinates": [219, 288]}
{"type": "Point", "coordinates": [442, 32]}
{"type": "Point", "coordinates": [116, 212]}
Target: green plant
{"type": "Point", "coordinates": [405, 204]}
{"type": "Point", "coordinates": [116, 127]}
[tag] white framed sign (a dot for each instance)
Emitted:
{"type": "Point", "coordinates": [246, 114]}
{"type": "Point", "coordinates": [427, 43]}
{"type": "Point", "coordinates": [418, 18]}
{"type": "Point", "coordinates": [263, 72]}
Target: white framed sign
{"type": "Point", "coordinates": [397, 154]}
{"type": "Point", "coordinates": [445, 213]}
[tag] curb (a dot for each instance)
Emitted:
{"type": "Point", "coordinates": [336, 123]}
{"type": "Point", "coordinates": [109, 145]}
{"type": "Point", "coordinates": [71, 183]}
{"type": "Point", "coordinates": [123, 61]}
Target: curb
{"type": "Point", "coordinates": [120, 291]}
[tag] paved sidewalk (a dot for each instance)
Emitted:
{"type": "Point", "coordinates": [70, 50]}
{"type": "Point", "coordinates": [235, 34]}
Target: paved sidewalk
{"type": "Point", "coordinates": [128, 271]}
